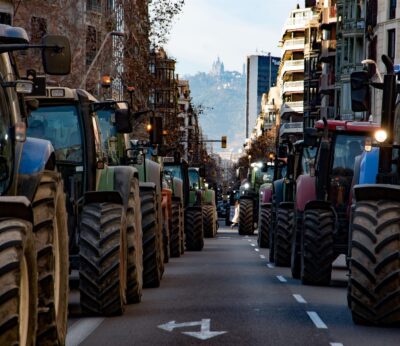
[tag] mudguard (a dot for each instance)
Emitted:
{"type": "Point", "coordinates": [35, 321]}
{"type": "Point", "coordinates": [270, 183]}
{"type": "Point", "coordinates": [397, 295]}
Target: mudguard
{"type": "Point", "coordinates": [305, 191]}
{"type": "Point", "coordinates": [278, 191]}
{"type": "Point", "coordinates": [286, 205]}
{"type": "Point", "coordinates": [178, 188]}
{"type": "Point", "coordinates": [209, 197]}
{"type": "Point", "coordinates": [376, 192]}
{"type": "Point", "coordinates": [266, 193]}
{"type": "Point", "coordinates": [16, 207]}
{"type": "Point", "coordinates": [153, 174]}
{"type": "Point", "coordinates": [318, 204]}
{"type": "Point", "coordinates": [123, 175]}
{"type": "Point", "coordinates": [35, 156]}
{"type": "Point", "coordinates": [103, 197]}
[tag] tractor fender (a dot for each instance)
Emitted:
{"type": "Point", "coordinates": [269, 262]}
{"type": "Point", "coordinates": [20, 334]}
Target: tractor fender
{"type": "Point", "coordinates": [103, 197]}
{"type": "Point", "coordinates": [178, 188]}
{"type": "Point", "coordinates": [318, 204]}
{"type": "Point", "coordinates": [266, 193]}
{"type": "Point", "coordinates": [376, 192]}
{"type": "Point", "coordinates": [36, 155]}
{"type": "Point", "coordinates": [286, 205]}
{"type": "Point", "coordinates": [123, 176]}
{"type": "Point", "coordinates": [209, 197]}
{"type": "Point", "coordinates": [16, 207]}
{"type": "Point", "coordinates": [153, 174]}
{"type": "Point", "coordinates": [305, 191]}
{"type": "Point", "coordinates": [278, 191]}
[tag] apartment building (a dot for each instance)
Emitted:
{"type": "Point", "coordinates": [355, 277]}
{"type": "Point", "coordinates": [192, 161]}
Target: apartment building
{"type": "Point", "coordinates": [291, 69]}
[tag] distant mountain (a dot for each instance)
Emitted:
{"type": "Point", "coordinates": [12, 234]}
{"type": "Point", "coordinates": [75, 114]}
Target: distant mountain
{"type": "Point", "coordinates": [222, 94]}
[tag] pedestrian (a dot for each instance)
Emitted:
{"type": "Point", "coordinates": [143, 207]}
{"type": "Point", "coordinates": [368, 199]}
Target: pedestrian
{"type": "Point", "coordinates": [235, 219]}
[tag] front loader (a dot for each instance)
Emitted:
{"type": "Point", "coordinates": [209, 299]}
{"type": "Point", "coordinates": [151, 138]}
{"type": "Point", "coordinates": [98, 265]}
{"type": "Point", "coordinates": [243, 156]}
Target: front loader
{"type": "Point", "coordinates": [374, 232]}
{"type": "Point", "coordinates": [33, 229]}
{"type": "Point", "coordinates": [103, 213]}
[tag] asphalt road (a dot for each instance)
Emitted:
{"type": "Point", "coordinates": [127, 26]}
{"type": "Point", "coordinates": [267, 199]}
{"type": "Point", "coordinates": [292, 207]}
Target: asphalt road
{"type": "Point", "coordinates": [230, 287]}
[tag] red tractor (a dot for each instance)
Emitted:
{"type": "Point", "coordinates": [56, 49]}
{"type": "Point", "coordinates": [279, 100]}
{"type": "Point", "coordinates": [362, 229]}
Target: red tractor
{"type": "Point", "coordinates": [323, 195]}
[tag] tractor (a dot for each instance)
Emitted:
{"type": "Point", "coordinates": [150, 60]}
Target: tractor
{"type": "Point", "coordinates": [33, 229]}
{"type": "Point", "coordinates": [323, 195]}
{"type": "Point", "coordinates": [374, 232]}
{"type": "Point", "coordinates": [102, 201]}
{"type": "Point", "coordinates": [122, 150]}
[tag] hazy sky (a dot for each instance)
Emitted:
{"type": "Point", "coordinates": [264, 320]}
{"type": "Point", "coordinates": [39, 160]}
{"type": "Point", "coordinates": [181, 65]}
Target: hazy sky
{"type": "Point", "coordinates": [230, 29]}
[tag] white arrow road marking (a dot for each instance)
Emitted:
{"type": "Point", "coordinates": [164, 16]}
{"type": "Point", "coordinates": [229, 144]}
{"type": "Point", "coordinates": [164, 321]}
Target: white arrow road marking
{"type": "Point", "coordinates": [281, 278]}
{"type": "Point", "coordinates": [299, 299]}
{"type": "Point", "coordinates": [317, 320]}
{"type": "Point", "coordinates": [256, 249]}
{"type": "Point", "coordinates": [205, 332]}
{"type": "Point", "coordinates": [253, 244]}
{"type": "Point", "coordinates": [262, 256]}
{"type": "Point", "coordinates": [80, 330]}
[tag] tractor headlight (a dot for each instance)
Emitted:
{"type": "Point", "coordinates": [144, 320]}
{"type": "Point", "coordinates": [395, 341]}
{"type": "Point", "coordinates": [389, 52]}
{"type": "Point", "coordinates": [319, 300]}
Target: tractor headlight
{"type": "Point", "coordinates": [246, 186]}
{"type": "Point", "coordinates": [380, 136]}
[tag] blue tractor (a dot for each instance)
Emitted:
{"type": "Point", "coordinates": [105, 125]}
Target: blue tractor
{"type": "Point", "coordinates": [33, 229]}
{"type": "Point", "coordinates": [374, 239]}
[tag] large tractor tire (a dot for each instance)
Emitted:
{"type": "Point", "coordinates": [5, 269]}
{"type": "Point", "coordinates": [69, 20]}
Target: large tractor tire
{"type": "Point", "coordinates": [134, 282]}
{"type": "Point", "coordinates": [18, 283]}
{"type": "Point", "coordinates": [183, 236]}
{"type": "Point", "coordinates": [264, 224]}
{"type": "Point", "coordinates": [272, 231]}
{"type": "Point", "coordinates": [194, 229]}
{"type": "Point", "coordinates": [209, 226]}
{"type": "Point", "coordinates": [374, 281]}
{"type": "Point", "coordinates": [246, 222]}
{"type": "Point", "coordinates": [151, 239]}
{"type": "Point", "coordinates": [166, 241]}
{"type": "Point", "coordinates": [103, 259]}
{"type": "Point", "coordinates": [176, 231]}
{"type": "Point", "coordinates": [295, 258]}
{"type": "Point", "coordinates": [51, 241]}
{"type": "Point", "coordinates": [283, 237]}
{"type": "Point", "coordinates": [317, 247]}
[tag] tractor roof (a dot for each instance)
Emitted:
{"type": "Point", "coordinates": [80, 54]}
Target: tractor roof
{"type": "Point", "coordinates": [13, 35]}
{"type": "Point", "coordinates": [63, 93]}
{"type": "Point", "coordinates": [348, 126]}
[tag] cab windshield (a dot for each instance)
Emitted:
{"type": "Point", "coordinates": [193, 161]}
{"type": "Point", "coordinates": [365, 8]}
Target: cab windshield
{"type": "Point", "coordinates": [347, 147]}
{"type": "Point", "coordinates": [194, 178]}
{"type": "Point", "coordinates": [60, 125]}
{"type": "Point", "coordinates": [109, 133]}
{"type": "Point", "coordinates": [175, 171]}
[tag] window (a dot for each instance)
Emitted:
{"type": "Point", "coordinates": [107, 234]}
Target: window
{"type": "Point", "coordinates": [93, 5]}
{"type": "Point", "coordinates": [38, 29]}
{"type": "Point", "coordinates": [5, 18]}
{"type": "Point", "coordinates": [392, 9]}
{"type": "Point", "coordinates": [391, 44]}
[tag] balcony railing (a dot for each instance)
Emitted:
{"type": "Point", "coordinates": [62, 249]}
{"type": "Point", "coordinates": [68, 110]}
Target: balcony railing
{"type": "Point", "coordinates": [297, 86]}
{"type": "Point", "coordinates": [292, 65]}
{"type": "Point", "coordinates": [299, 23]}
{"type": "Point", "coordinates": [293, 44]}
{"type": "Point", "coordinates": [292, 106]}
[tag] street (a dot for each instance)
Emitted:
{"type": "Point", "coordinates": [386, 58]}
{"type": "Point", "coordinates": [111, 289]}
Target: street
{"type": "Point", "coordinates": [228, 294]}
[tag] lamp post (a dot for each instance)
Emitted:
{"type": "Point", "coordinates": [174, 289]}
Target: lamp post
{"type": "Point", "coordinates": [111, 33]}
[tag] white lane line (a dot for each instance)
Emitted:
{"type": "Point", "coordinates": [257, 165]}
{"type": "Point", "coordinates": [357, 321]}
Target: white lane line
{"type": "Point", "coordinates": [336, 344]}
{"type": "Point", "coordinates": [253, 244]}
{"type": "Point", "coordinates": [80, 330]}
{"type": "Point", "coordinates": [281, 278]}
{"type": "Point", "coordinates": [317, 320]}
{"type": "Point", "coordinates": [299, 299]}
{"type": "Point", "coordinates": [249, 240]}
{"type": "Point", "coordinates": [262, 256]}
{"type": "Point", "coordinates": [270, 265]}
{"type": "Point", "coordinates": [246, 236]}
{"type": "Point", "coordinates": [256, 249]}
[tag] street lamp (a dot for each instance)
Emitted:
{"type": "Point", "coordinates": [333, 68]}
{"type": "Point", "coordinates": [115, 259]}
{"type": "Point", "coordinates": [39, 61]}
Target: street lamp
{"type": "Point", "coordinates": [373, 62]}
{"type": "Point", "coordinates": [111, 33]}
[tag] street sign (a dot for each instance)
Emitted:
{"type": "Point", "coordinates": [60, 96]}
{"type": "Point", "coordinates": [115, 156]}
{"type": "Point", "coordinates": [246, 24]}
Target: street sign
{"type": "Point", "coordinates": [203, 334]}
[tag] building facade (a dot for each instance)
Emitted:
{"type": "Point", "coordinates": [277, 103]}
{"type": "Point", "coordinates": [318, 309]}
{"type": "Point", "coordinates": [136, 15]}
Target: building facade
{"type": "Point", "coordinates": [262, 71]}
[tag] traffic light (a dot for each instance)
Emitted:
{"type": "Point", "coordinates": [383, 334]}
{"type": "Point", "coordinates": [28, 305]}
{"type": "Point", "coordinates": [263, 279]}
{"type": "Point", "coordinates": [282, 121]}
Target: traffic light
{"type": "Point", "coordinates": [155, 130]}
{"type": "Point", "coordinates": [223, 142]}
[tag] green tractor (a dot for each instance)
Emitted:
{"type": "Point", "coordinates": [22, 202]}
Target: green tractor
{"type": "Point", "coordinates": [102, 201]}
{"type": "Point", "coordinates": [33, 229]}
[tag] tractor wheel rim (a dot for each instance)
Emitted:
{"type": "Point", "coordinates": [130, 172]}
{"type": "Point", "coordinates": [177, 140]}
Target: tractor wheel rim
{"type": "Point", "coordinates": [23, 302]}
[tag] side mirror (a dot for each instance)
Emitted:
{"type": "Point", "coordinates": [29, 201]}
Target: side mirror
{"type": "Point", "coordinates": [123, 122]}
{"type": "Point", "coordinates": [310, 137]}
{"type": "Point", "coordinates": [56, 55]}
{"type": "Point", "coordinates": [360, 91]}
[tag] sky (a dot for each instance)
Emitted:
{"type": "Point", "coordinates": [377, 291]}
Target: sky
{"type": "Point", "coordinates": [229, 29]}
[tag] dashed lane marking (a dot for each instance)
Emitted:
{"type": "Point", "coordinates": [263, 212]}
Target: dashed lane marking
{"type": "Point", "coordinates": [253, 244]}
{"type": "Point", "coordinates": [80, 330]}
{"type": "Point", "coordinates": [262, 256]}
{"type": "Point", "coordinates": [317, 320]}
{"type": "Point", "coordinates": [336, 344]}
{"type": "Point", "coordinates": [299, 299]}
{"type": "Point", "coordinates": [270, 265]}
{"type": "Point", "coordinates": [281, 278]}
{"type": "Point", "coordinates": [249, 240]}
{"type": "Point", "coordinates": [256, 249]}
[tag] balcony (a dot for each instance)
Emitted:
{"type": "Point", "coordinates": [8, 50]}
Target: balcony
{"type": "Point", "coordinates": [353, 27]}
{"type": "Point", "coordinates": [293, 44]}
{"type": "Point", "coordinates": [329, 16]}
{"type": "Point", "coordinates": [293, 87]}
{"type": "Point", "coordinates": [292, 107]}
{"type": "Point", "coordinates": [292, 66]}
{"type": "Point", "coordinates": [293, 24]}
